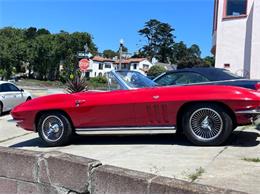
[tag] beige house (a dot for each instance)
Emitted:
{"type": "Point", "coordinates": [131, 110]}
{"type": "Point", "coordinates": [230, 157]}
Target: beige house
{"type": "Point", "coordinates": [236, 36]}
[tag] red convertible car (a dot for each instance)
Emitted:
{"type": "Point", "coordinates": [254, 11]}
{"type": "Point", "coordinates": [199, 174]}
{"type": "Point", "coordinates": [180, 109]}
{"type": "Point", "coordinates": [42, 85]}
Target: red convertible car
{"type": "Point", "coordinates": [207, 115]}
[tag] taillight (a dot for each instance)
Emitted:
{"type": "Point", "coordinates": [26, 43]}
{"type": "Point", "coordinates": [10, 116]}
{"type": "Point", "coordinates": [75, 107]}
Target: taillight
{"type": "Point", "coordinates": [257, 86]}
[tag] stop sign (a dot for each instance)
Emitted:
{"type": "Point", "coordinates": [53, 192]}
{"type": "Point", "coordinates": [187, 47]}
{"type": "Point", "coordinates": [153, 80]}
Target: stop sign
{"type": "Point", "coordinates": [83, 65]}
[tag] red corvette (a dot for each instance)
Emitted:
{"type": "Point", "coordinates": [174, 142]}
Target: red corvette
{"type": "Point", "coordinates": [207, 115]}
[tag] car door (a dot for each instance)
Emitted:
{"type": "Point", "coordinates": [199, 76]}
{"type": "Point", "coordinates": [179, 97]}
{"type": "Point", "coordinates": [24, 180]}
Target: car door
{"type": "Point", "coordinates": [154, 107]}
{"type": "Point", "coordinates": [7, 96]}
{"type": "Point", "coordinates": [17, 93]}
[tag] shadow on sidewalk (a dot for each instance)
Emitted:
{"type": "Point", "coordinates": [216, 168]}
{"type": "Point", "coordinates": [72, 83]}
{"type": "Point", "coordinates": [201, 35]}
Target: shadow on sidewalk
{"type": "Point", "coordinates": [237, 139]}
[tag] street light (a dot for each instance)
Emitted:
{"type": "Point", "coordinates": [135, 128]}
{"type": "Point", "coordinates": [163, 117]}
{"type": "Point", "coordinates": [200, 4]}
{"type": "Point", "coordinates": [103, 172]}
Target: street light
{"type": "Point", "coordinates": [120, 53]}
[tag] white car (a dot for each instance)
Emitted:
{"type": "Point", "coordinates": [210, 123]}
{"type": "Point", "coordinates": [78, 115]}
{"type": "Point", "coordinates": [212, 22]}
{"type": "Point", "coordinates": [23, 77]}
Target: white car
{"type": "Point", "coordinates": [11, 96]}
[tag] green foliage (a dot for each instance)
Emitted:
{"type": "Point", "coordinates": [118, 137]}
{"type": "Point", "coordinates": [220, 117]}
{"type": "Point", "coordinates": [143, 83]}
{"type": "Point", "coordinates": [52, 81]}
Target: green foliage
{"type": "Point", "coordinates": [98, 83]}
{"type": "Point", "coordinates": [186, 57]}
{"type": "Point", "coordinates": [41, 51]}
{"type": "Point", "coordinates": [99, 79]}
{"type": "Point", "coordinates": [160, 40]}
{"type": "Point", "coordinates": [109, 53]}
{"type": "Point", "coordinates": [209, 61]}
{"type": "Point", "coordinates": [155, 71]}
{"type": "Point", "coordinates": [256, 160]}
{"type": "Point", "coordinates": [76, 84]}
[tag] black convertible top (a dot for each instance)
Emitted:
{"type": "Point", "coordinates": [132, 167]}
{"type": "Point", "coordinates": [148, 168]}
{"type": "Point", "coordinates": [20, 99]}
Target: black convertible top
{"type": "Point", "coordinates": [212, 74]}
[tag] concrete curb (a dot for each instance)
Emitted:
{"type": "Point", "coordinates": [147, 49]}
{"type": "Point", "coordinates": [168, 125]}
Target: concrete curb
{"type": "Point", "coordinates": [23, 171]}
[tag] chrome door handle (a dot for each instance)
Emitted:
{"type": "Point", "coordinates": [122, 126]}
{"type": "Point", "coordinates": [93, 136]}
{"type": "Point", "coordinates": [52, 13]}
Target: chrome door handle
{"type": "Point", "coordinates": [78, 102]}
{"type": "Point", "coordinates": [156, 97]}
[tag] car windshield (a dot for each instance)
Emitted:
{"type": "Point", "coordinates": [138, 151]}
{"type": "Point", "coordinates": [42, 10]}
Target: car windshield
{"type": "Point", "coordinates": [135, 79]}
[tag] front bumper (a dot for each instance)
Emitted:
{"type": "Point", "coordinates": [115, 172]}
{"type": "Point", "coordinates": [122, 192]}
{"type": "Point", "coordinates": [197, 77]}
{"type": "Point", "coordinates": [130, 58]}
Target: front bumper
{"type": "Point", "coordinates": [249, 116]}
{"type": "Point", "coordinates": [252, 111]}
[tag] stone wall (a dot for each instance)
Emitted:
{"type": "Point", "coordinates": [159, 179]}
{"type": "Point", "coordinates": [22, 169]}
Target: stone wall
{"type": "Point", "coordinates": [24, 171]}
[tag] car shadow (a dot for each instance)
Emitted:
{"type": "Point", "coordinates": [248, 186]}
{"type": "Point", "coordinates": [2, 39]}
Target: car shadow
{"type": "Point", "coordinates": [5, 113]}
{"type": "Point", "coordinates": [237, 139]}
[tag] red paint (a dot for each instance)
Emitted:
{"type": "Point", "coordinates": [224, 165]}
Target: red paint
{"type": "Point", "coordinates": [83, 65]}
{"type": "Point", "coordinates": [257, 86]}
{"type": "Point", "coordinates": [141, 107]}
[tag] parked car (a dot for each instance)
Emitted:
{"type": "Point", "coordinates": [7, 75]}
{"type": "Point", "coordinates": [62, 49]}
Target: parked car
{"type": "Point", "coordinates": [11, 96]}
{"type": "Point", "coordinates": [205, 76]}
{"type": "Point", "coordinates": [206, 115]}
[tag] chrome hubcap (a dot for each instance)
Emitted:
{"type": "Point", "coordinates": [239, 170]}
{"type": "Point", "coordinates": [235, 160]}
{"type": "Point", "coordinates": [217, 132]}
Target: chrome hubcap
{"type": "Point", "coordinates": [206, 124]}
{"type": "Point", "coordinates": [52, 128]}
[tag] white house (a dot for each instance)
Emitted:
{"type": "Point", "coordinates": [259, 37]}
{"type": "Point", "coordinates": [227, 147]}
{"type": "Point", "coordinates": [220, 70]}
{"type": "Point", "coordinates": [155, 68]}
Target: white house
{"type": "Point", "coordinates": [99, 66]}
{"type": "Point", "coordinates": [236, 36]}
{"type": "Point", "coordinates": [141, 65]}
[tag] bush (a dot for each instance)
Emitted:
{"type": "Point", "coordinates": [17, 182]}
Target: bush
{"type": "Point", "coordinates": [99, 79]}
{"type": "Point", "coordinates": [76, 84]}
{"type": "Point", "coordinates": [155, 71]}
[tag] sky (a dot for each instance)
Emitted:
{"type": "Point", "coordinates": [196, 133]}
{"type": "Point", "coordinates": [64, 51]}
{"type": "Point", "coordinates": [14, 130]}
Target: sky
{"type": "Point", "coordinates": [108, 21]}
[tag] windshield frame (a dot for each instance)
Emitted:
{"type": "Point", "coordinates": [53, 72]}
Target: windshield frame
{"type": "Point", "coordinates": [124, 85]}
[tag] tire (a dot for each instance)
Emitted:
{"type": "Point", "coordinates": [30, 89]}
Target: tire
{"type": "Point", "coordinates": [1, 108]}
{"type": "Point", "coordinates": [29, 98]}
{"type": "Point", "coordinates": [54, 129]}
{"type": "Point", "coordinates": [207, 124]}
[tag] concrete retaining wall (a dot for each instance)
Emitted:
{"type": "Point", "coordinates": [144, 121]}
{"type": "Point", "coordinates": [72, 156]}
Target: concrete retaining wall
{"type": "Point", "coordinates": [24, 171]}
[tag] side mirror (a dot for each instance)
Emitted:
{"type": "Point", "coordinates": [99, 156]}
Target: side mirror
{"type": "Point", "coordinates": [21, 90]}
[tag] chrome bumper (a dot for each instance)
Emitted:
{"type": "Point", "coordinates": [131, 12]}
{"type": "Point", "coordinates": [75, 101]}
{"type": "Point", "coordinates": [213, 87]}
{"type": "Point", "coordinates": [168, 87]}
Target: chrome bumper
{"type": "Point", "coordinates": [253, 112]}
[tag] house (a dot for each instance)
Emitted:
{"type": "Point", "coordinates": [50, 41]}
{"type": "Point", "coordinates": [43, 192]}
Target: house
{"type": "Point", "coordinates": [236, 36]}
{"type": "Point", "coordinates": [141, 65]}
{"type": "Point", "coordinates": [98, 66]}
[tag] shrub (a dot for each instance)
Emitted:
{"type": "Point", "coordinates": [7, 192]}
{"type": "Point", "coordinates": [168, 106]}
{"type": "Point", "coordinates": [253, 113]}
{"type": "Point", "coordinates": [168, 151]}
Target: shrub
{"type": "Point", "coordinates": [155, 71]}
{"type": "Point", "coordinates": [76, 84]}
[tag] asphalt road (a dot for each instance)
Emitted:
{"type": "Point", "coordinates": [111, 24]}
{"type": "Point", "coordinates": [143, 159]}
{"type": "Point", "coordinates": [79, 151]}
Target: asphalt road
{"type": "Point", "coordinates": [167, 155]}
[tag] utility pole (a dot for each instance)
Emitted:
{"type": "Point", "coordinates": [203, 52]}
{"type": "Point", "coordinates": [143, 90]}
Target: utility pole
{"type": "Point", "coordinates": [120, 53]}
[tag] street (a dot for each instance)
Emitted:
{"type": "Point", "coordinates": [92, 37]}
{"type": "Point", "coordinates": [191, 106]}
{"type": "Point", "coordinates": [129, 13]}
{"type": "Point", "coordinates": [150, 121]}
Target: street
{"type": "Point", "coordinates": [229, 166]}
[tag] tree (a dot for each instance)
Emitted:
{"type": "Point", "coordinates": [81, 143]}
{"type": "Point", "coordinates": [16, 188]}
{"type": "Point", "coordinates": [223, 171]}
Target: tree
{"type": "Point", "coordinates": [109, 53]}
{"type": "Point", "coordinates": [155, 71]}
{"type": "Point", "coordinates": [209, 61]}
{"type": "Point", "coordinates": [186, 57]}
{"type": "Point", "coordinates": [160, 39]}
{"type": "Point", "coordinates": [42, 50]}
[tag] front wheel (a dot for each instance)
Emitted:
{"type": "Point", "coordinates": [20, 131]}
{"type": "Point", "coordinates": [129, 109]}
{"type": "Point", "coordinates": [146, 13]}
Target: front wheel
{"type": "Point", "coordinates": [54, 129]}
{"type": "Point", "coordinates": [207, 124]}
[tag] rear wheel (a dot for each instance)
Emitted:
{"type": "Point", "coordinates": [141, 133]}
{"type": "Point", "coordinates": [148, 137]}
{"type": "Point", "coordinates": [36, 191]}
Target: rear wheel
{"type": "Point", "coordinates": [54, 129]}
{"type": "Point", "coordinates": [207, 124]}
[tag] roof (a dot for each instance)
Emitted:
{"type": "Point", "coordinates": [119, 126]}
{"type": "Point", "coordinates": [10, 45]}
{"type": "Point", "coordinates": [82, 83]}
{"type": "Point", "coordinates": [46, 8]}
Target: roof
{"type": "Point", "coordinates": [130, 60]}
{"type": "Point", "coordinates": [101, 59]}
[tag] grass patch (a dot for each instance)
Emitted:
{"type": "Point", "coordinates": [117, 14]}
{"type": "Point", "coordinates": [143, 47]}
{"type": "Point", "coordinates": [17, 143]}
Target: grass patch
{"type": "Point", "coordinates": [197, 174]}
{"type": "Point", "coordinates": [256, 160]}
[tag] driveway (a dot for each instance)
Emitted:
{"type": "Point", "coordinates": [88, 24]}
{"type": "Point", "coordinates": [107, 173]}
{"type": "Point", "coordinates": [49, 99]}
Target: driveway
{"type": "Point", "coordinates": [164, 154]}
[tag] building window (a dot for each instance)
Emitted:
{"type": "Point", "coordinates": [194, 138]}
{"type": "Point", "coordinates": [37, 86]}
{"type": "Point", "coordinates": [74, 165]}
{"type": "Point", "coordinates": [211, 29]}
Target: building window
{"type": "Point", "coordinates": [100, 66]}
{"type": "Point", "coordinates": [236, 8]}
{"type": "Point", "coordinates": [107, 65]}
{"type": "Point", "coordinates": [146, 67]}
{"type": "Point", "coordinates": [135, 66]}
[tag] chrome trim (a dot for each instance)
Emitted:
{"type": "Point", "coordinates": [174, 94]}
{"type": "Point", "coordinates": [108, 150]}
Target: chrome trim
{"type": "Point", "coordinates": [15, 121]}
{"type": "Point", "coordinates": [126, 130]}
{"type": "Point", "coordinates": [253, 111]}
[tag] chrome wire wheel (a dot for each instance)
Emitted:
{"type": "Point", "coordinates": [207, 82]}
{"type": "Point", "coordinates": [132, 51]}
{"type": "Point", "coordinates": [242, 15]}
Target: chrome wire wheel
{"type": "Point", "coordinates": [206, 124]}
{"type": "Point", "coordinates": [52, 128]}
